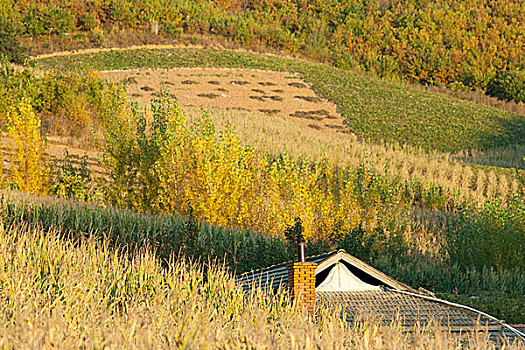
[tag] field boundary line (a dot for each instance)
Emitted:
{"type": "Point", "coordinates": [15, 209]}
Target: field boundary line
{"type": "Point", "coordinates": [109, 49]}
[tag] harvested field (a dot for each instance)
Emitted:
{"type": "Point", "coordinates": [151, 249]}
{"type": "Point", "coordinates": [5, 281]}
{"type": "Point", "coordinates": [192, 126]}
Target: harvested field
{"type": "Point", "coordinates": [277, 94]}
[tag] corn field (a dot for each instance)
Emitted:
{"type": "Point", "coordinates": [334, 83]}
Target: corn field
{"type": "Point", "coordinates": [82, 293]}
{"type": "Point", "coordinates": [456, 180]}
{"type": "Point", "coordinates": [244, 250]}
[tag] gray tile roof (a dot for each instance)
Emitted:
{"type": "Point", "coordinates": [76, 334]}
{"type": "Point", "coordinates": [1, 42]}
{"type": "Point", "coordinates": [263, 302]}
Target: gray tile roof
{"type": "Point", "coordinates": [273, 276]}
{"type": "Point", "coordinates": [506, 335]}
{"type": "Point", "coordinates": [384, 306]}
{"type": "Point", "coordinates": [395, 299]}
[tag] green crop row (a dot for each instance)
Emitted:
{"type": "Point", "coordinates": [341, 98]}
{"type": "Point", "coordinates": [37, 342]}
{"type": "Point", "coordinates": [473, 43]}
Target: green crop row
{"type": "Point", "coordinates": [241, 250]}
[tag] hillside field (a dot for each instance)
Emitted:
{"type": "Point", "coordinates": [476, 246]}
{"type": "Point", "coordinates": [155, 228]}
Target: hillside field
{"type": "Point", "coordinates": [164, 172]}
{"type": "Point", "coordinates": [375, 109]}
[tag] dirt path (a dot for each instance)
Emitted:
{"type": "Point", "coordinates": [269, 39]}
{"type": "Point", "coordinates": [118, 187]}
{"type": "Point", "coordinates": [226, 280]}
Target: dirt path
{"type": "Point", "coordinates": [215, 46]}
{"type": "Point", "coordinates": [98, 50]}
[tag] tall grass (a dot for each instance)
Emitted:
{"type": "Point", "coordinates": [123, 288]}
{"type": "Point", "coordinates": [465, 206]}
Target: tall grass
{"type": "Point", "coordinates": [80, 294]}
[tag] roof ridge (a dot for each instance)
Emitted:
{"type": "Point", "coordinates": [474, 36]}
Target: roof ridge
{"type": "Point", "coordinates": [287, 262]}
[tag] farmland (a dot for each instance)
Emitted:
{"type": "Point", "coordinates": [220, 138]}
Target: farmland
{"type": "Point", "coordinates": [376, 109]}
{"type": "Point", "coordinates": [396, 216]}
{"type": "Point", "coordinates": [85, 293]}
{"type": "Point", "coordinates": [165, 171]}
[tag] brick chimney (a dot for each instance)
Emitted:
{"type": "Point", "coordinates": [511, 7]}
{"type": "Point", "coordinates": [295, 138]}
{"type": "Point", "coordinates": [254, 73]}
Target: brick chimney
{"type": "Point", "coordinates": [301, 281]}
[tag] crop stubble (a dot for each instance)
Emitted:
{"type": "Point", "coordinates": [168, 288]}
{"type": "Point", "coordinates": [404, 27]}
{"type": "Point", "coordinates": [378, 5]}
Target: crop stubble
{"type": "Point", "coordinates": [275, 94]}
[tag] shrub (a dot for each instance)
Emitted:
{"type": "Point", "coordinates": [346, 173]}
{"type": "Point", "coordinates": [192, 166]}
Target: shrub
{"type": "Point", "coordinates": [88, 21]}
{"type": "Point", "coordinates": [172, 28]}
{"type": "Point", "coordinates": [67, 103]}
{"type": "Point", "coordinates": [131, 153]}
{"type": "Point", "coordinates": [11, 49]}
{"type": "Point", "coordinates": [508, 86]}
{"type": "Point", "coordinates": [72, 181]}
{"type": "Point", "coordinates": [43, 19]}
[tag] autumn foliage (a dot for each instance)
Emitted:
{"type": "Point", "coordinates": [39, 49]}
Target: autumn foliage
{"type": "Point", "coordinates": [176, 166]}
{"type": "Point", "coordinates": [28, 169]}
{"type": "Point", "coordinates": [464, 45]}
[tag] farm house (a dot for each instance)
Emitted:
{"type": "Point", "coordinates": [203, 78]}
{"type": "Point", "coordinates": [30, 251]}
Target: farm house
{"type": "Point", "coordinates": [340, 280]}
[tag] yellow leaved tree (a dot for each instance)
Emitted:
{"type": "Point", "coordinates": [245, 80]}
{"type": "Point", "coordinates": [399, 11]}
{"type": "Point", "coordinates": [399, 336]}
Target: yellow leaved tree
{"type": "Point", "coordinates": [28, 169]}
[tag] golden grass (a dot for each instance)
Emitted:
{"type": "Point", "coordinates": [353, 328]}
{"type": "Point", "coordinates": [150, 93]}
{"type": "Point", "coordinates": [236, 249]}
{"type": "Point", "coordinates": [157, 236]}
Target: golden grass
{"type": "Point", "coordinates": [462, 181]}
{"type": "Point", "coordinates": [59, 294]}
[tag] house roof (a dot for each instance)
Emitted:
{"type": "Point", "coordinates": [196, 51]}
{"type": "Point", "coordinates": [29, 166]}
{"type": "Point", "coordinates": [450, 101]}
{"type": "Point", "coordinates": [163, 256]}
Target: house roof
{"type": "Point", "coordinates": [386, 305]}
{"type": "Point", "coordinates": [509, 335]}
{"type": "Point", "coordinates": [393, 300]}
{"type": "Point", "coordinates": [274, 276]}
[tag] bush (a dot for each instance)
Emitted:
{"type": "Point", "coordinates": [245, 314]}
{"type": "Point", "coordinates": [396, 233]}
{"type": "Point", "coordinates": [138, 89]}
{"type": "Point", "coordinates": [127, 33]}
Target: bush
{"type": "Point", "coordinates": [11, 49]}
{"type": "Point", "coordinates": [88, 21]}
{"type": "Point", "coordinates": [172, 29]}
{"type": "Point", "coordinates": [44, 20]}
{"type": "Point", "coordinates": [131, 153]}
{"type": "Point", "coordinates": [508, 86]}
{"type": "Point", "coordinates": [67, 103]}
